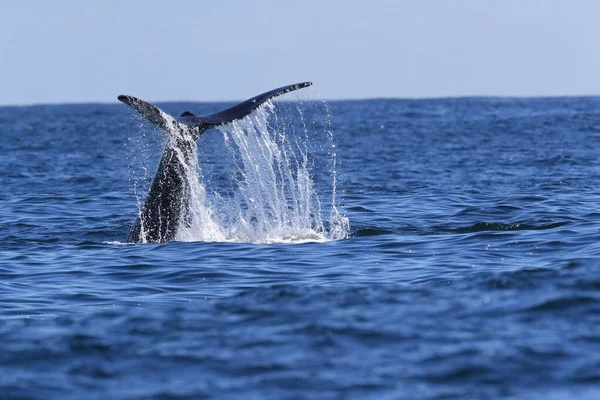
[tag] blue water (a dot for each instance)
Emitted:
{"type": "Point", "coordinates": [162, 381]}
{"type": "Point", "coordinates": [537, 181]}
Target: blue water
{"type": "Point", "coordinates": [471, 267]}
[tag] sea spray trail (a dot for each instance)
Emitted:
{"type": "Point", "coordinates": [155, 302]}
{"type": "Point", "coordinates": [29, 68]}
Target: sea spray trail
{"type": "Point", "coordinates": [268, 194]}
{"type": "Point", "coordinates": [275, 197]}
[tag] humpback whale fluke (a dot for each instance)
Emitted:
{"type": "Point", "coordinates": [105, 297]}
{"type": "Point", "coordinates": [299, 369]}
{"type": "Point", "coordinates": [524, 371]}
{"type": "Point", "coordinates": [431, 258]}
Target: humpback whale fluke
{"type": "Point", "coordinates": [167, 202]}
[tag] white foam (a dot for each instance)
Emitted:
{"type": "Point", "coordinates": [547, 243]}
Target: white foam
{"type": "Point", "coordinates": [272, 197]}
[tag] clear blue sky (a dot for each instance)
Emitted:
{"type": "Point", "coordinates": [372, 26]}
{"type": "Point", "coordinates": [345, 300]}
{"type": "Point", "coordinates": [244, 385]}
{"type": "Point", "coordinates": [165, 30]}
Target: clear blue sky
{"type": "Point", "coordinates": [59, 51]}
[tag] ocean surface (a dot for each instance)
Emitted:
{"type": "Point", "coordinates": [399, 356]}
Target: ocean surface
{"type": "Point", "coordinates": [453, 252]}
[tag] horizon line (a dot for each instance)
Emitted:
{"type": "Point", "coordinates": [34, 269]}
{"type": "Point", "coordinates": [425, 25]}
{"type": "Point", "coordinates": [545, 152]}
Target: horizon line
{"type": "Point", "coordinates": [448, 97]}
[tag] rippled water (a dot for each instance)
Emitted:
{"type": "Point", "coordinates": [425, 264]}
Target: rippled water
{"type": "Point", "coordinates": [471, 269]}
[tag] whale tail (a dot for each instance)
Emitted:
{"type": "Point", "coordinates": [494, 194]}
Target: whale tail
{"type": "Point", "coordinates": [200, 124]}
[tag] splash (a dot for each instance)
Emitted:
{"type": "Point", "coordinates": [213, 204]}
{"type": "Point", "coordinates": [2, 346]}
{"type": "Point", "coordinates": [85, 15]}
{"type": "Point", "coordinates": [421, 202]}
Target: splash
{"type": "Point", "coordinates": [258, 185]}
